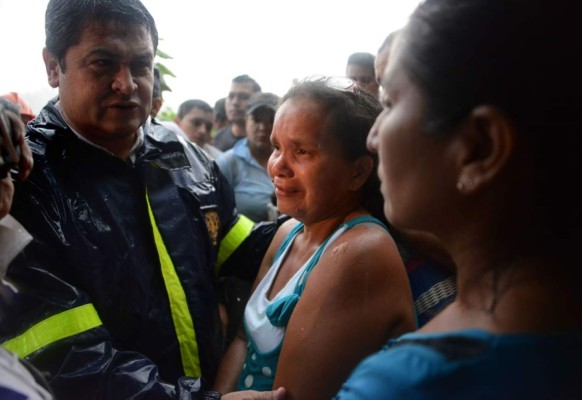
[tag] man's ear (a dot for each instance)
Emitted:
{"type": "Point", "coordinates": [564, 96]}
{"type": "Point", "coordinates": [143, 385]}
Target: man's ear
{"type": "Point", "coordinates": [363, 168]}
{"type": "Point", "coordinates": [53, 69]}
{"type": "Point", "coordinates": [156, 105]}
{"type": "Point", "coordinates": [487, 144]}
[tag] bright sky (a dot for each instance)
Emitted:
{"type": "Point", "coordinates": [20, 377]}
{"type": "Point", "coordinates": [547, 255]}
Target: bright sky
{"type": "Point", "coordinates": [212, 41]}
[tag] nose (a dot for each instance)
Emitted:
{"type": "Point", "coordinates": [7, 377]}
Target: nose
{"type": "Point", "coordinates": [277, 165]}
{"type": "Point", "coordinates": [372, 140]}
{"type": "Point", "coordinates": [123, 81]}
{"type": "Point", "coordinates": [264, 126]}
{"type": "Point", "coordinates": [201, 130]}
{"type": "Point", "coordinates": [236, 100]}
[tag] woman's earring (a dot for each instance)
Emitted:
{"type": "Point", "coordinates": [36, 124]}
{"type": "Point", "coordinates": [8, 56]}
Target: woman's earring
{"type": "Point", "coordinates": [470, 184]}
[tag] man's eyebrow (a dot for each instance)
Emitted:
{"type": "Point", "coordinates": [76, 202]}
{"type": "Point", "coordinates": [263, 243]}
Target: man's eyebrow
{"type": "Point", "coordinates": [103, 52]}
{"type": "Point", "coordinates": [146, 55]}
{"type": "Point", "coordinates": [100, 51]}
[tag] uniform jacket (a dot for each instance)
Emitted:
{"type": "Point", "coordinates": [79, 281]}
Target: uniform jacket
{"type": "Point", "coordinates": [118, 286]}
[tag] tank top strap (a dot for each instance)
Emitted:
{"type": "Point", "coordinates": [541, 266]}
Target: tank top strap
{"type": "Point", "coordinates": [280, 311]}
{"type": "Point", "coordinates": [288, 239]}
{"type": "Point", "coordinates": [364, 219]}
{"type": "Point", "coordinates": [315, 259]}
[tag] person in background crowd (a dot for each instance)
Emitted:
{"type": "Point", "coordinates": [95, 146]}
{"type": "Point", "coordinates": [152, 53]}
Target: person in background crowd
{"type": "Point", "coordinates": [157, 98]}
{"type": "Point", "coordinates": [241, 89]}
{"type": "Point", "coordinates": [360, 69]}
{"type": "Point", "coordinates": [194, 118]}
{"type": "Point", "coordinates": [18, 379]}
{"type": "Point", "coordinates": [245, 165]}
{"type": "Point", "coordinates": [219, 118]}
{"type": "Point", "coordinates": [24, 109]}
{"type": "Point", "coordinates": [332, 286]}
{"type": "Point", "coordinates": [381, 59]}
{"type": "Point", "coordinates": [130, 224]}
{"type": "Point", "coordinates": [479, 143]}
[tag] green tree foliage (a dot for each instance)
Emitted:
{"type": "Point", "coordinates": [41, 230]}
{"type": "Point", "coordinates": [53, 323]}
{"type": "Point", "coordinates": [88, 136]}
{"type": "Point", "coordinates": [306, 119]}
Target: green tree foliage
{"type": "Point", "coordinates": [166, 113]}
{"type": "Point", "coordinates": [164, 71]}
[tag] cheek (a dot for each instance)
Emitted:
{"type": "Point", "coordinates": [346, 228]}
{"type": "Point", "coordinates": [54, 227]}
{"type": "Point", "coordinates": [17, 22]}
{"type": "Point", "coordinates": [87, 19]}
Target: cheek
{"type": "Point", "coordinates": [145, 89]}
{"type": "Point", "coordinates": [332, 180]}
{"type": "Point", "coordinates": [381, 144]}
{"type": "Point", "coordinates": [384, 156]}
{"type": "Point", "coordinates": [395, 145]}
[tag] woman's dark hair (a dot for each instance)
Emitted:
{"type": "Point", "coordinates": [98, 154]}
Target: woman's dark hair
{"type": "Point", "coordinates": [66, 19]}
{"type": "Point", "coordinates": [521, 56]}
{"type": "Point", "coordinates": [349, 115]}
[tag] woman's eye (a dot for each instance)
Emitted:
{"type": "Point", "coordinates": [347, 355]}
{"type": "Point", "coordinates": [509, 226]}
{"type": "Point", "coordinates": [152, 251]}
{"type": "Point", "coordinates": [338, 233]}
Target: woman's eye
{"type": "Point", "coordinates": [386, 103]}
{"type": "Point", "coordinates": [385, 100]}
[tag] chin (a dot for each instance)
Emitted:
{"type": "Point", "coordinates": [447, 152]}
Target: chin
{"type": "Point", "coordinates": [289, 210]}
{"type": "Point", "coordinates": [130, 124]}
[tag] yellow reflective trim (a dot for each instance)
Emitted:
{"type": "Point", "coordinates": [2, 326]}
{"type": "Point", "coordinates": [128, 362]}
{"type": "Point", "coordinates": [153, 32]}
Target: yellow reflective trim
{"type": "Point", "coordinates": [183, 323]}
{"type": "Point", "coordinates": [237, 234]}
{"type": "Point", "coordinates": [60, 326]}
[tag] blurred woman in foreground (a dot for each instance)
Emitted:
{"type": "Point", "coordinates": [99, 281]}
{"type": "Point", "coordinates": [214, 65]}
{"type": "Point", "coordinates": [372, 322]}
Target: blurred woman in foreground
{"type": "Point", "coordinates": [479, 143]}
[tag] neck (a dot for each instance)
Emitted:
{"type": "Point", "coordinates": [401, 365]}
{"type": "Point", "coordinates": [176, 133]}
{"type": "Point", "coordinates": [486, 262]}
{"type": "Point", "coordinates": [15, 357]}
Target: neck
{"type": "Point", "coordinates": [262, 156]}
{"type": "Point", "coordinates": [238, 129]}
{"type": "Point", "coordinates": [317, 232]}
{"type": "Point", "coordinates": [535, 293]}
{"type": "Point", "coordinates": [118, 145]}
{"type": "Point", "coordinates": [120, 148]}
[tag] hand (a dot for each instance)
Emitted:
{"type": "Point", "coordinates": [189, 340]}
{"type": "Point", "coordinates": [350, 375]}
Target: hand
{"type": "Point", "coordinates": [278, 394]}
{"type": "Point", "coordinates": [11, 139]}
{"type": "Point", "coordinates": [13, 143]}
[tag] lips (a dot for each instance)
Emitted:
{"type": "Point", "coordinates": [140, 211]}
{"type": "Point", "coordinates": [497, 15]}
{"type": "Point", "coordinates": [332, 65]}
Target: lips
{"type": "Point", "coordinates": [282, 190]}
{"type": "Point", "coordinates": [125, 105]}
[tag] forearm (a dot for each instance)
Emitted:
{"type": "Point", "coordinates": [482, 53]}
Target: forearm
{"type": "Point", "coordinates": [231, 365]}
{"type": "Point", "coordinates": [76, 353]}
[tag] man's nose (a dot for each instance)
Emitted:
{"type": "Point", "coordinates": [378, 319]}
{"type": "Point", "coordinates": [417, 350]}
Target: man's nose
{"type": "Point", "coordinates": [124, 82]}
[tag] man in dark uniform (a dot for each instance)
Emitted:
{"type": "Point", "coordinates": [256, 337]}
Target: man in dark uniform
{"type": "Point", "coordinates": [131, 224]}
